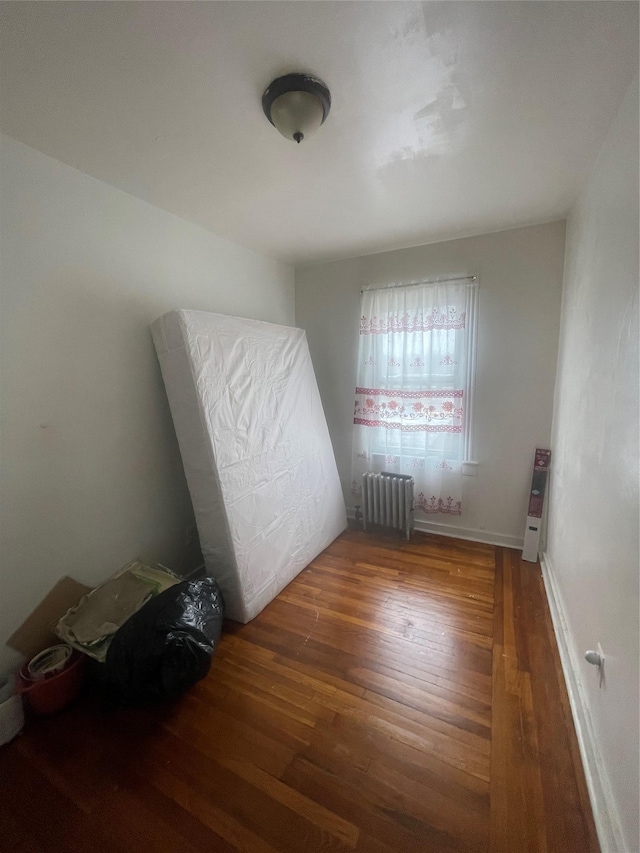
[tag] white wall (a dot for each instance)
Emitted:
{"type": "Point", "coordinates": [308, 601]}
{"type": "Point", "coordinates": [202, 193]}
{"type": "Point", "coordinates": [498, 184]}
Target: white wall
{"type": "Point", "coordinates": [520, 275]}
{"type": "Point", "coordinates": [593, 547]}
{"type": "Point", "coordinates": [91, 473]}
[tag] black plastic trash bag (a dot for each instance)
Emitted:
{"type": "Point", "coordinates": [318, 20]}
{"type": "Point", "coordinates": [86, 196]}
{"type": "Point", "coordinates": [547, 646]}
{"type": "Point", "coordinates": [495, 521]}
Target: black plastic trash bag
{"type": "Point", "coordinates": [166, 646]}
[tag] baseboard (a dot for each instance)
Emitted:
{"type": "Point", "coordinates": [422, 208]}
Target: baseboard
{"type": "Point", "coordinates": [487, 537]}
{"type": "Point", "coordinates": [605, 812]}
{"type": "Point", "coordinates": [470, 534]}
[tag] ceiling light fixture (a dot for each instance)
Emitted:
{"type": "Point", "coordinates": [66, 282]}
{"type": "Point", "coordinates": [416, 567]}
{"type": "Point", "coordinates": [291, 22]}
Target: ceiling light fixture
{"type": "Point", "coordinates": [296, 105]}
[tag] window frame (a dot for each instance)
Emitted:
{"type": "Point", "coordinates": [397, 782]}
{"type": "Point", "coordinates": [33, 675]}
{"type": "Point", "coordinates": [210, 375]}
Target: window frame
{"type": "Point", "coordinates": [471, 338]}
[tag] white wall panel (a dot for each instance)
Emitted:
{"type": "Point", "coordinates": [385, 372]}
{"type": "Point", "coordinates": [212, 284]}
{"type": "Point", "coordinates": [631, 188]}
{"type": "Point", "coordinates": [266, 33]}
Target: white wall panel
{"type": "Point", "coordinates": [91, 473]}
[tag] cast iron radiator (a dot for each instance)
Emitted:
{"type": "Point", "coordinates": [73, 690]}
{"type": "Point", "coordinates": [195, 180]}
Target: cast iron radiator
{"type": "Point", "coordinates": [388, 499]}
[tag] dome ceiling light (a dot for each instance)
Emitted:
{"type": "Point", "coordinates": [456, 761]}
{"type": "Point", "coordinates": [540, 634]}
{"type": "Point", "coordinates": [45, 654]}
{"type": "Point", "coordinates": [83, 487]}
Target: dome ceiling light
{"type": "Point", "coordinates": [296, 105]}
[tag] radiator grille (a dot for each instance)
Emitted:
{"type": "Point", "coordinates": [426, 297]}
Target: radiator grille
{"type": "Point", "coordinates": [388, 499]}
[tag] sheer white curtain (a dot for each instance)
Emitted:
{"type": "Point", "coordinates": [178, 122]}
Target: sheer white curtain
{"type": "Point", "coordinates": [411, 390]}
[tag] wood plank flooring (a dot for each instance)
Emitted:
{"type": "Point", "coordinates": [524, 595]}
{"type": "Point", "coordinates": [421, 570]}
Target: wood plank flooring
{"type": "Point", "coordinates": [394, 697]}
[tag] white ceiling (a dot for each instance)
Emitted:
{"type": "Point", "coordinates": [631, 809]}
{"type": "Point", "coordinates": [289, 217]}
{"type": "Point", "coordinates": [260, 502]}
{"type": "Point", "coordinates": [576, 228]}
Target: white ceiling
{"type": "Point", "coordinates": [448, 118]}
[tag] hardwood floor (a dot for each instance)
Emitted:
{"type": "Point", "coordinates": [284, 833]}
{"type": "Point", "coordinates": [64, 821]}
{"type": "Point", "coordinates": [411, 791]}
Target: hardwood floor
{"type": "Point", "coordinates": [395, 697]}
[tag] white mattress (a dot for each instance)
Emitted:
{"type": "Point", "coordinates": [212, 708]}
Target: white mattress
{"type": "Point", "coordinates": [255, 448]}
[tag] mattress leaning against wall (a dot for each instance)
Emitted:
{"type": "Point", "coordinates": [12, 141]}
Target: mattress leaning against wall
{"type": "Point", "coordinates": [255, 448]}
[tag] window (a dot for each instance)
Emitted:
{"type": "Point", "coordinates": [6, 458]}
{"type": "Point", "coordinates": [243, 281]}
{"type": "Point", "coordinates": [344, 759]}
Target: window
{"type": "Point", "coordinates": [414, 394]}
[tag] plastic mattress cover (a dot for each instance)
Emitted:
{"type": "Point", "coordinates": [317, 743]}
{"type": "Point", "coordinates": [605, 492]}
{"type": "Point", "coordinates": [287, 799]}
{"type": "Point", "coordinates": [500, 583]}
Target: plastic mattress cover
{"type": "Point", "coordinates": [255, 448]}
